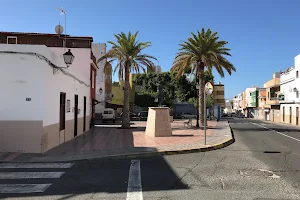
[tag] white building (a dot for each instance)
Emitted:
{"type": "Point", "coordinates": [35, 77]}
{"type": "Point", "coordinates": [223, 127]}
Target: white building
{"type": "Point", "coordinates": [236, 102]}
{"type": "Point", "coordinates": [228, 107]}
{"type": "Point", "coordinates": [39, 96]}
{"type": "Point", "coordinates": [99, 50]}
{"type": "Point", "coordinates": [289, 94]}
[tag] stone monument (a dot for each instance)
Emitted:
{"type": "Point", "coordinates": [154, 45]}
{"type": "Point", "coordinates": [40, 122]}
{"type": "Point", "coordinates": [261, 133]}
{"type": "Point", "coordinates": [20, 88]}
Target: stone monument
{"type": "Point", "coordinates": [158, 122]}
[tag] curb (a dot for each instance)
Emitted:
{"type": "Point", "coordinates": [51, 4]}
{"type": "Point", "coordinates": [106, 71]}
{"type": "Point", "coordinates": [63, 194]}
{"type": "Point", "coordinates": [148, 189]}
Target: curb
{"type": "Point", "coordinates": [148, 154]}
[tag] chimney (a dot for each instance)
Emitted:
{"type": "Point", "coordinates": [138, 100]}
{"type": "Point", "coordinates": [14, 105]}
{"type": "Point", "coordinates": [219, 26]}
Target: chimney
{"type": "Point", "coordinates": [219, 83]}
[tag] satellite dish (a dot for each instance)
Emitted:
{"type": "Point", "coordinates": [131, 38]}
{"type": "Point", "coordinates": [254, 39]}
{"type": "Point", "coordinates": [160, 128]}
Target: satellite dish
{"type": "Point", "coordinates": [59, 29]}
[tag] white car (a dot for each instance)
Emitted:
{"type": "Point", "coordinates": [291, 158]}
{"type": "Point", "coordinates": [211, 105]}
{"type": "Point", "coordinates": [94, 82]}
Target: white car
{"type": "Point", "coordinates": [109, 115]}
{"type": "Point", "coordinates": [188, 115]}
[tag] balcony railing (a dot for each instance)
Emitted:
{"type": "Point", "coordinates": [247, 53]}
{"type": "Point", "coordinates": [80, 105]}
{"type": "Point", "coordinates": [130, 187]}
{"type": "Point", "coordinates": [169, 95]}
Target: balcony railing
{"type": "Point", "coordinates": [273, 98]}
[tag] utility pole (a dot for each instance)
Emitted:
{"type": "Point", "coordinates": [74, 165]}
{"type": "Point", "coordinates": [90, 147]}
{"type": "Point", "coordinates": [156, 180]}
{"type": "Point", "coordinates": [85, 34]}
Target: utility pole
{"type": "Point", "coordinates": [63, 12]}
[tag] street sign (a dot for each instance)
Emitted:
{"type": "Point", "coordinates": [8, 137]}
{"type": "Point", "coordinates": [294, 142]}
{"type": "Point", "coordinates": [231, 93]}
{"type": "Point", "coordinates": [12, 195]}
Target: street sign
{"type": "Point", "coordinates": [209, 88]}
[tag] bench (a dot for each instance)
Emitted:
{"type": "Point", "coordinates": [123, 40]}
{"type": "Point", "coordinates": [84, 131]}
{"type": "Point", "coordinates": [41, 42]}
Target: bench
{"type": "Point", "coordinates": [188, 123]}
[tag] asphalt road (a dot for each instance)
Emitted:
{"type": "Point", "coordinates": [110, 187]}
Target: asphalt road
{"type": "Point", "coordinates": [263, 164]}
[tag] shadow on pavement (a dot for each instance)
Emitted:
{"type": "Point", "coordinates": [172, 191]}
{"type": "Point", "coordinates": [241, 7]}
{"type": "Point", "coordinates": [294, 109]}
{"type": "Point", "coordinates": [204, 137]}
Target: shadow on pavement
{"type": "Point", "coordinates": [104, 177]}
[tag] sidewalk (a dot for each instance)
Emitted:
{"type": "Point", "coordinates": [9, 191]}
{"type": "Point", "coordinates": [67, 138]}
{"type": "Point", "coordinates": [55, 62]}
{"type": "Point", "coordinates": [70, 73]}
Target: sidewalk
{"type": "Point", "coordinates": [104, 142]}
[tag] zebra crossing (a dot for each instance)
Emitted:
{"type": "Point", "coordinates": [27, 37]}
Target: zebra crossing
{"type": "Point", "coordinates": [13, 175]}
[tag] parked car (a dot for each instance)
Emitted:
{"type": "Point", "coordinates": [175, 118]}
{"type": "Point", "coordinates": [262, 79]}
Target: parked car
{"type": "Point", "coordinates": [188, 115]}
{"type": "Point", "coordinates": [233, 114]}
{"type": "Point", "coordinates": [132, 115]}
{"type": "Point", "coordinates": [142, 116]}
{"type": "Point", "coordinates": [109, 115]}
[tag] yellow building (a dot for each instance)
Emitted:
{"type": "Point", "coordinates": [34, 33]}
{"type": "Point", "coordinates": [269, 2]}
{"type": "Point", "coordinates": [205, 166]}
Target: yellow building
{"type": "Point", "coordinates": [219, 95]}
{"type": "Point", "coordinates": [118, 93]}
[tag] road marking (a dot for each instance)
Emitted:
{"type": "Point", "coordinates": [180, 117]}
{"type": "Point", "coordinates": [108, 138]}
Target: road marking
{"type": "Point", "coordinates": [36, 165]}
{"type": "Point", "coordinates": [23, 188]}
{"type": "Point", "coordinates": [134, 190]}
{"type": "Point", "coordinates": [29, 175]}
{"type": "Point", "coordinates": [276, 132]}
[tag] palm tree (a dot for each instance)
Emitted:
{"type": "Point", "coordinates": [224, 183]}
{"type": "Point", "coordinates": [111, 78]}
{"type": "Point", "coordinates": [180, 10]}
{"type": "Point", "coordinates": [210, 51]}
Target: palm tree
{"type": "Point", "coordinates": [127, 51]}
{"type": "Point", "coordinates": [203, 49]}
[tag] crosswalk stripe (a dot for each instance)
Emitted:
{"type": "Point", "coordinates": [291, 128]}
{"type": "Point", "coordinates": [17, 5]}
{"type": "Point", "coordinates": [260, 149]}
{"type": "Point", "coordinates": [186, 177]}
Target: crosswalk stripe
{"type": "Point", "coordinates": [36, 165]}
{"type": "Point", "coordinates": [23, 188]}
{"type": "Point", "coordinates": [134, 189]}
{"type": "Point", "coordinates": [29, 175]}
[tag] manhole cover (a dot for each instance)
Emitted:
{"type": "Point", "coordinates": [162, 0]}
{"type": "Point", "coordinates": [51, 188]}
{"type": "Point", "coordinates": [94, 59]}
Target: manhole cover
{"type": "Point", "coordinates": [258, 172]}
{"type": "Point", "coordinates": [272, 152]}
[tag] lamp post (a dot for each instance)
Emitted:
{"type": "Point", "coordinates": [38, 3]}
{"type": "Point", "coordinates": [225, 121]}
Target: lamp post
{"type": "Point", "coordinates": [68, 57]}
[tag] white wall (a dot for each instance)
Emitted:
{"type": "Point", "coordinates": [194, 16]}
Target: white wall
{"type": "Point", "coordinates": [248, 96]}
{"type": "Point", "coordinates": [99, 50]}
{"type": "Point", "coordinates": [22, 77]}
{"type": "Point", "coordinates": [56, 83]}
{"type": "Point", "coordinates": [287, 84]}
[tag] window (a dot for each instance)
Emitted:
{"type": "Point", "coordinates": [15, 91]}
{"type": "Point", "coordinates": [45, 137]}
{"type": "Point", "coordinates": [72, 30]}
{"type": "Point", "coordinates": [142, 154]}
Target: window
{"type": "Point", "coordinates": [297, 74]}
{"type": "Point", "coordinates": [12, 40]}
{"type": "Point", "coordinates": [68, 105]}
{"type": "Point", "coordinates": [268, 95]}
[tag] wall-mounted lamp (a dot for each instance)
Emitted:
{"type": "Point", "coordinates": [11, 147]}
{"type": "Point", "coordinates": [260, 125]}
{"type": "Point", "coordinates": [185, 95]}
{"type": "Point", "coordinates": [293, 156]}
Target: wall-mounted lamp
{"type": "Point", "coordinates": [68, 58]}
{"type": "Point", "coordinates": [295, 90]}
{"type": "Point", "coordinates": [100, 90]}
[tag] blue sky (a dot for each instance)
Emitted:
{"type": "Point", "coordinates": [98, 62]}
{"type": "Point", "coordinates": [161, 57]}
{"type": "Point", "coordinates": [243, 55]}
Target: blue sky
{"type": "Point", "coordinates": [263, 34]}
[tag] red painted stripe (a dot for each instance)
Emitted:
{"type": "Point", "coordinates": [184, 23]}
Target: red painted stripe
{"type": "Point", "coordinates": [12, 157]}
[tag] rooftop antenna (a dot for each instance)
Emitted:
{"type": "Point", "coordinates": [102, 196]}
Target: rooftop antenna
{"type": "Point", "coordinates": [63, 12]}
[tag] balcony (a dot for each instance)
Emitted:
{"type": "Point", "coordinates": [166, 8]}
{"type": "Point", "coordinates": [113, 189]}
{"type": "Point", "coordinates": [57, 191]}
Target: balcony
{"type": "Point", "coordinates": [272, 101]}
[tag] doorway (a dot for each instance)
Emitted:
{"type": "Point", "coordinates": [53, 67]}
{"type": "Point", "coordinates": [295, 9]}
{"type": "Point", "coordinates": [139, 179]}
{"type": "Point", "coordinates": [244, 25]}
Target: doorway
{"type": "Point", "coordinates": [84, 112]}
{"type": "Point", "coordinates": [290, 115]}
{"type": "Point", "coordinates": [297, 116]}
{"type": "Point", "coordinates": [62, 117]}
{"type": "Point", "coordinates": [75, 115]}
{"type": "Point", "coordinates": [283, 114]}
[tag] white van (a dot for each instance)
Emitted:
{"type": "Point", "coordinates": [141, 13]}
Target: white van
{"type": "Point", "coordinates": [109, 115]}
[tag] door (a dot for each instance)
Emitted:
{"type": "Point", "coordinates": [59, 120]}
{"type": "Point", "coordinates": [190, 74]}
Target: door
{"type": "Point", "coordinates": [84, 113]}
{"type": "Point", "coordinates": [75, 114]}
{"type": "Point", "coordinates": [297, 116]}
{"type": "Point", "coordinates": [283, 114]}
{"type": "Point", "coordinates": [290, 115]}
{"type": "Point", "coordinates": [62, 117]}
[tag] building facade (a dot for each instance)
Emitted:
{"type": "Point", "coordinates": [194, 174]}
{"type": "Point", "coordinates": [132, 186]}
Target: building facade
{"type": "Point", "coordinates": [289, 94]}
{"type": "Point", "coordinates": [103, 79]}
{"type": "Point", "coordinates": [258, 101]}
{"type": "Point", "coordinates": [219, 94]}
{"type": "Point", "coordinates": [272, 106]}
{"type": "Point", "coordinates": [44, 102]}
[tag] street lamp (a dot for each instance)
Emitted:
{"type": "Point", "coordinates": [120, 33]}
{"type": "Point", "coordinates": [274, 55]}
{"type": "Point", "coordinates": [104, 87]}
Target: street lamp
{"type": "Point", "coordinates": [68, 58]}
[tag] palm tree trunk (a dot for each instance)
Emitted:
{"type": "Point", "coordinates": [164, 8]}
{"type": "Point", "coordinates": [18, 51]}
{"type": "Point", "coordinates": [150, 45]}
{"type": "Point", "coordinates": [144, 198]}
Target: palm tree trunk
{"type": "Point", "coordinates": [201, 93]}
{"type": "Point", "coordinates": [125, 115]}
